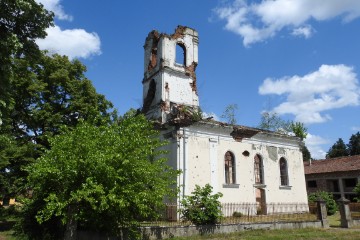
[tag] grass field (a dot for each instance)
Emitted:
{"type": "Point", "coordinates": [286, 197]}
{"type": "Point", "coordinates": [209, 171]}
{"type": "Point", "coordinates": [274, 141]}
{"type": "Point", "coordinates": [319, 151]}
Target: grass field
{"type": "Point", "coordinates": [298, 234]}
{"type": "Point", "coordinates": [335, 232]}
{"type": "Point", "coordinates": [6, 235]}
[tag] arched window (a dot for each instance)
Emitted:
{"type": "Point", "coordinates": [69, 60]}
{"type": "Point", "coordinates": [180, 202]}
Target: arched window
{"type": "Point", "coordinates": [284, 179]}
{"type": "Point", "coordinates": [230, 168]}
{"type": "Point", "coordinates": [258, 169]}
{"type": "Point", "coordinates": [180, 54]}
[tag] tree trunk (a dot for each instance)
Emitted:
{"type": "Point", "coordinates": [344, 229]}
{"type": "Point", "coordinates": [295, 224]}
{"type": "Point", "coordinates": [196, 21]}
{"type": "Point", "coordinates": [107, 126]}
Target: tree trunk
{"type": "Point", "coordinates": [71, 225]}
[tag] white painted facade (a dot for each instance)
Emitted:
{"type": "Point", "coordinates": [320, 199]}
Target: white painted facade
{"type": "Point", "coordinates": [198, 148]}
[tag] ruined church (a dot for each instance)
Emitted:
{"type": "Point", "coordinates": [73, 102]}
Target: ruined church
{"type": "Point", "coordinates": [247, 165]}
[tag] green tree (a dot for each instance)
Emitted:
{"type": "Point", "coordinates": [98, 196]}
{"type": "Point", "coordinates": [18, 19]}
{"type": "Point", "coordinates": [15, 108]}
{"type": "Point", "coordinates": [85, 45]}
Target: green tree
{"type": "Point", "coordinates": [229, 114]}
{"type": "Point", "coordinates": [306, 153]}
{"type": "Point", "coordinates": [6, 147]}
{"type": "Point", "coordinates": [202, 207]}
{"type": "Point", "coordinates": [339, 149]}
{"type": "Point", "coordinates": [354, 144]}
{"type": "Point", "coordinates": [331, 205]}
{"type": "Point", "coordinates": [21, 23]}
{"type": "Point", "coordinates": [298, 129]}
{"type": "Point", "coordinates": [100, 178]}
{"type": "Point", "coordinates": [272, 122]}
{"type": "Point", "coordinates": [47, 95]}
{"type": "Point", "coordinates": [357, 191]}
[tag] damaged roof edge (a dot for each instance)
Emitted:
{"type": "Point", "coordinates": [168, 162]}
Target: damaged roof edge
{"type": "Point", "coordinates": [178, 33]}
{"type": "Point", "coordinates": [239, 132]}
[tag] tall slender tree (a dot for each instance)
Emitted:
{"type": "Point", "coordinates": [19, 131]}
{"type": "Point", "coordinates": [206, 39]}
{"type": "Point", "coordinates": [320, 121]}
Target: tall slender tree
{"type": "Point", "coordinates": [354, 144]}
{"type": "Point", "coordinates": [339, 149]}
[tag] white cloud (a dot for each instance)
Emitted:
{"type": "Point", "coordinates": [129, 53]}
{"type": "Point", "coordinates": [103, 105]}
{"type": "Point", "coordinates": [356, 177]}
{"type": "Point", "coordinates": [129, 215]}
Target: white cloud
{"type": "Point", "coordinates": [54, 6]}
{"type": "Point", "coordinates": [305, 31]}
{"type": "Point", "coordinates": [355, 128]}
{"type": "Point", "coordinates": [210, 114]}
{"type": "Point", "coordinates": [75, 43]}
{"type": "Point", "coordinates": [314, 144]}
{"type": "Point", "coordinates": [330, 87]}
{"type": "Point", "coordinates": [258, 21]}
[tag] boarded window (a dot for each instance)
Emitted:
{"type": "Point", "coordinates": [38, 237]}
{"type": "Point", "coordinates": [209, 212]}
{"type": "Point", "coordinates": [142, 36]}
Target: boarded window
{"type": "Point", "coordinates": [229, 168]}
{"type": "Point", "coordinates": [180, 54]}
{"type": "Point", "coordinates": [284, 178]}
{"type": "Point", "coordinates": [258, 169]}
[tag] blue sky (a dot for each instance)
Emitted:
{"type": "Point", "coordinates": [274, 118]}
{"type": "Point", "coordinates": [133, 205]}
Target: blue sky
{"type": "Point", "coordinates": [298, 58]}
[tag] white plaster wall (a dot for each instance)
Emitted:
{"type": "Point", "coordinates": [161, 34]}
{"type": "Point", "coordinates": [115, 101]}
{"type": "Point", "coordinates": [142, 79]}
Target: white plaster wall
{"type": "Point", "coordinates": [199, 165]}
{"type": "Point", "coordinates": [200, 168]}
{"type": "Point", "coordinates": [168, 51]}
{"type": "Point", "coordinates": [180, 90]}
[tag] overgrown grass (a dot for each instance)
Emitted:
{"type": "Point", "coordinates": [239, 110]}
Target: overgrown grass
{"type": "Point", "coordinates": [334, 220]}
{"type": "Point", "coordinates": [6, 235]}
{"type": "Point", "coordinates": [307, 233]}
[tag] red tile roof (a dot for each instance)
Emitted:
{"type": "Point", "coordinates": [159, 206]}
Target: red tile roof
{"type": "Point", "coordinates": [340, 164]}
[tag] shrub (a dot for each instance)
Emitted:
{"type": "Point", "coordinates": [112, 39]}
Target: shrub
{"type": "Point", "coordinates": [357, 191]}
{"type": "Point", "coordinates": [331, 205]}
{"type": "Point", "coordinates": [237, 214]}
{"type": "Point", "coordinates": [202, 207]}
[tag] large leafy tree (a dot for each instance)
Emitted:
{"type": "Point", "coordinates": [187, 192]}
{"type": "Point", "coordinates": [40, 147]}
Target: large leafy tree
{"type": "Point", "coordinates": [100, 177]}
{"type": "Point", "coordinates": [339, 149]}
{"type": "Point", "coordinates": [354, 144]}
{"type": "Point", "coordinates": [46, 95]}
{"type": "Point", "coordinates": [21, 23]}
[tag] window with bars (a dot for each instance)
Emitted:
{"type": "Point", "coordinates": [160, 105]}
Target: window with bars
{"type": "Point", "coordinates": [230, 176]}
{"type": "Point", "coordinates": [284, 178]}
{"type": "Point", "coordinates": [258, 169]}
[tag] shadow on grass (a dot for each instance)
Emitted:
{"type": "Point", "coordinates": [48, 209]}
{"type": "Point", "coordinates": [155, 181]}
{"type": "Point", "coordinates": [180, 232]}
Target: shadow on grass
{"type": "Point", "coordinates": [6, 225]}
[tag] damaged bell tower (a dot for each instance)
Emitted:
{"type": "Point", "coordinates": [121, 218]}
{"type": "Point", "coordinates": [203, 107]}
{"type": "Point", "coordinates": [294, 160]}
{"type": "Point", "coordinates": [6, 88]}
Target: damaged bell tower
{"type": "Point", "coordinates": [169, 87]}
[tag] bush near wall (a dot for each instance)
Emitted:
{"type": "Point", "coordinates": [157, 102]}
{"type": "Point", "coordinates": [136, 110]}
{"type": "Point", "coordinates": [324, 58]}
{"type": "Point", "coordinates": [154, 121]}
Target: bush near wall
{"type": "Point", "coordinates": [202, 207]}
{"type": "Point", "coordinates": [331, 205]}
